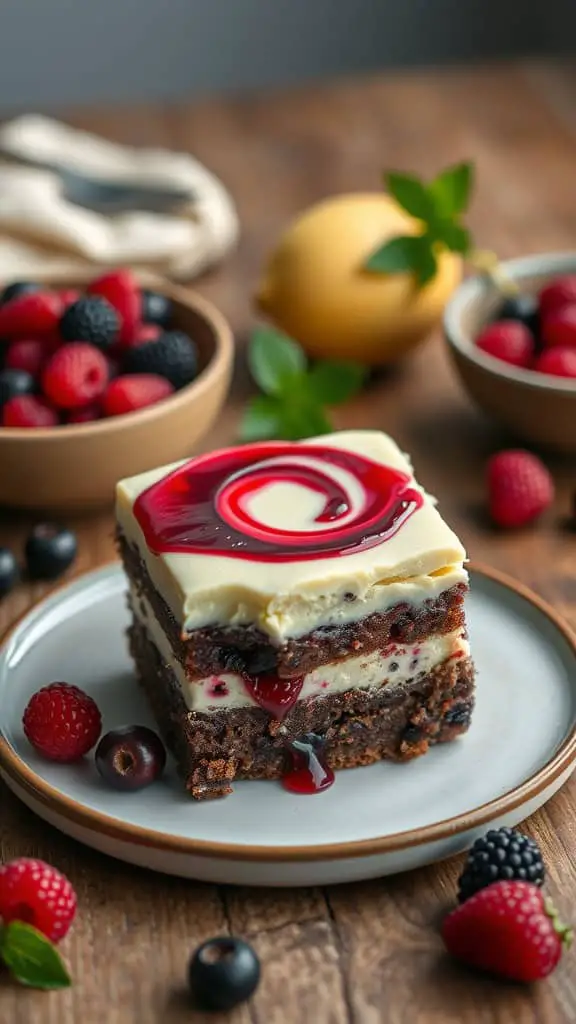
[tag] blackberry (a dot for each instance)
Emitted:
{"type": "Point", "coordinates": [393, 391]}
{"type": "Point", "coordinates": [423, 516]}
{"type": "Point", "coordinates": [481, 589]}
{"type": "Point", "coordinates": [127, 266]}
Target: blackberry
{"type": "Point", "coordinates": [174, 356]}
{"type": "Point", "coordinates": [90, 319]}
{"type": "Point", "coordinates": [156, 308]}
{"type": "Point", "coordinates": [501, 855]}
{"type": "Point", "coordinates": [16, 289]}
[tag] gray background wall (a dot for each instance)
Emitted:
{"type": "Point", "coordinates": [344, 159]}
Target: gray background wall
{"type": "Point", "coordinates": [78, 51]}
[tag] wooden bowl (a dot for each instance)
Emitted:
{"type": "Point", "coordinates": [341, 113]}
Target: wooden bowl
{"type": "Point", "coordinates": [539, 408]}
{"type": "Point", "coordinates": [75, 467]}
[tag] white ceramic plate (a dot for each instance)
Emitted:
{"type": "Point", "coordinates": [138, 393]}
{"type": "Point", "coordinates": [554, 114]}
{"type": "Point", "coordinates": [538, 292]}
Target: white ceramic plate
{"type": "Point", "coordinates": [373, 821]}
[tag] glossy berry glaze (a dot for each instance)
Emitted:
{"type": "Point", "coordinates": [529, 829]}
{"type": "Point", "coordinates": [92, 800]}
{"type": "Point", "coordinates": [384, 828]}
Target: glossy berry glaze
{"type": "Point", "coordinates": [307, 771]}
{"type": "Point", "coordinates": [205, 506]}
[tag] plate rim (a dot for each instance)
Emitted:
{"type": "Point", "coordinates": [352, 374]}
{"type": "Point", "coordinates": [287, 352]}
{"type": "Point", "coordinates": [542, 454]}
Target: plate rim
{"type": "Point", "coordinates": [15, 768]}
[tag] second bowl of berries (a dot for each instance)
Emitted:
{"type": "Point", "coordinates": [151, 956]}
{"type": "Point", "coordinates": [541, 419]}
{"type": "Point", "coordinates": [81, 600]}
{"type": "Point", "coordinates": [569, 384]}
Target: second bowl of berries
{"type": "Point", "coordinates": [103, 378]}
{"type": "Point", "coordinates": [514, 347]}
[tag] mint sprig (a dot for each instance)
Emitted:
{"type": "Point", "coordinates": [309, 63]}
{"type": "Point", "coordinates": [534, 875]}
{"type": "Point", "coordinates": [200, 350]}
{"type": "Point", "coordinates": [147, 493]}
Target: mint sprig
{"type": "Point", "coordinates": [31, 958]}
{"type": "Point", "coordinates": [439, 206]}
{"type": "Point", "coordinates": [295, 395]}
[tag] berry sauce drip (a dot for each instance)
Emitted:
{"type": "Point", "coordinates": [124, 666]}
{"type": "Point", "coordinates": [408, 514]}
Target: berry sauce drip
{"type": "Point", "coordinates": [307, 771]}
{"type": "Point", "coordinates": [274, 695]}
{"type": "Point", "coordinates": [206, 505]}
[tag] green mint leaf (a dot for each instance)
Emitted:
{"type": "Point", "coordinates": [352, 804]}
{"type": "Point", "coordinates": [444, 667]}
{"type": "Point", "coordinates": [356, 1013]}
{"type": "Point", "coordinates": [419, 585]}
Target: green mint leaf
{"type": "Point", "coordinates": [410, 193]}
{"type": "Point", "coordinates": [450, 191]}
{"type": "Point", "coordinates": [31, 958]}
{"type": "Point", "coordinates": [395, 256]}
{"type": "Point", "coordinates": [426, 264]}
{"type": "Point", "coordinates": [274, 360]}
{"type": "Point", "coordinates": [304, 420]}
{"type": "Point", "coordinates": [454, 236]}
{"type": "Point", "coordinates": [262, 419]}
{"type": "Point", "coordinates": [333, 383]}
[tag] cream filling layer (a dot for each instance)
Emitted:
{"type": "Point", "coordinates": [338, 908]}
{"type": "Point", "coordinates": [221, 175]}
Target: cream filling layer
{"type": "Point", "coordinates": [290, 599]}
{"type": "Point", "coordinates": [391, 666]}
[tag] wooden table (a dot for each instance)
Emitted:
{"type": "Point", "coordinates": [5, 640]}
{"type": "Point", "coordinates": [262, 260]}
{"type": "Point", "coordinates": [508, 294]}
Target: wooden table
{"type": "Point", "coordinates": [364, 953]}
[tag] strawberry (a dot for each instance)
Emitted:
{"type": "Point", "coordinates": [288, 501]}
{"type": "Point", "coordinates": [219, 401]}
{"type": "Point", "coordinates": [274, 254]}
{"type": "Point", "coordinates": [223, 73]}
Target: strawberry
{"type": "Point", "coordinates": [119, 287]}
{"type": "Point", "coordinates": [30, 314]}
{"type": "Point", "coordinates": [520, 487]}
{"type": "Point", "coordinates": [75, 375]}
{"type": "Point", "coordinates": [37, 894]}
{"type": "Point", "coordinates": [508, 929]}
{"type": "Point", "coordinates": [62, 722]}
{"type": "Point", "coordinates": [508, 340]}
{"type": "Point", "coordinates": [560, 292]}
{"type": "Point", "coordinates": [559, 327]}
{"type": "Point", "coordinates": [560, 362]}
{"type": "Point", "coordinates": [134, 391]}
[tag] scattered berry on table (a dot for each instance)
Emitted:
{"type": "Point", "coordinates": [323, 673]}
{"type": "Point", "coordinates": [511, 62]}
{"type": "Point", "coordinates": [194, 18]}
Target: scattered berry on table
{"type": "Point", "coordinates": [92, 319]}
{"type": "Point", "coordinates": [37, 894]}
{"type": "Point", "coordinates": [523, 308]}
{"type": "Point", "coordinates": [223, 973]}
{"type": "Point", "coordinates": [560, 292]}
{"type": "Point", "coordinates": [507, 929]}
{"type": "Point", "coordinates": [559, 328]}
{"type": "Point", "coordinates": [75, 375]}
{"type": "Point", "coordinates": [29, 315]}
{"type": "Point", "coordinates": [156, 308]}
{"type": "Point", "coordinates": [29, 354]}
{"type": "Point", "coordinates": [49, 550]}
{"type": "Point", "coordinates": [135, 391]}
{"type": "Point", "coordinates": [560, 362]}
{"type": "Point", "coordinates": [502, 854]}
{"type": "Point", "coordinates": [18, 288]}
{"type": "Point", "coordinates": [8, 571]}
{"type": "Point", "coordinates": [508, 340]}
{"type": "Point", "coordinates": [62, 722]}
{"type": "Point", "coordinates": [13, 382]}
{"type": "Point", "coordinates": [28, 411]}
{"type": "Point", "coordinates": [121, 290]}
{"type": "Point", "coordinates": [87, 414]}
{"type": "Point", "coordinates": [130, 758]}
{"type": "Point", "coordinates": [174, 356]}
{"type": "Point", "coordinates": [520, 487]}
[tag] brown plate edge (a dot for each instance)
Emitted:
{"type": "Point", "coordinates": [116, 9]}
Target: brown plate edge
{"type": "Point", "coordinates": [12, 766]}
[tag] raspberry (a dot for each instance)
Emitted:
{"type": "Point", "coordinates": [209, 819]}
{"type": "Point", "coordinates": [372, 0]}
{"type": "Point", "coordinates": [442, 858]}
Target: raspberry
{"type": "Point", "coordinates": [145, 333]}
{"type": "Point", "coordinates": [509, 341]}
{"type": "Point", "coordinates": [75, 375]}
{"type": "Point", "coordinates": [120, 289]}
{"type": "Point", "coordinates": [30, 314]}
{"type": "Point", "coordinates": [68, 296]}
{"type": "Point", "coordinates": [62, 722]}
{"type": "Point", "coordinates": [520, 487]}
{"type": "Point", "coordinates": [91, 319]}
{"type": "Point", "coordinates": [87, 414]}
{"type": "Point", "coordinates": [561, 292]}
{"type": "Point", "coordinates": [174, 356]}
{"type": "Point", "coordinates": [559, 328]}
{"type": "Point", "coordinates": [37, 894]}
{"type": "Point", "coordinates": [126, 394]}
{"type": "Point", "coordinates": [29, 354]}
{"type": "Point", "coordinates": [560, 362]}
{"type": "Point", "coordinates": [28, 411]}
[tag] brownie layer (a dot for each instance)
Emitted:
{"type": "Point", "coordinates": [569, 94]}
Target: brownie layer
{"type": "Point", "coordinates": [216, 649]}
{"type": "Point", "coordinates": [359, 727]}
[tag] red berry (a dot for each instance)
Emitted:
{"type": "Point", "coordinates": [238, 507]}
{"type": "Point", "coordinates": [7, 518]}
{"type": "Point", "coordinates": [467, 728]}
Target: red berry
{"type": "Point", "coordinates": [68, 296]}
{"type": "Point", "coordinates": [29, 354]}
{"type": "Point", "coordinates": [36, 894]}
{"type": "Point", "coordinates": [135, 391]}
{"type": "Point", "coordinates": [144, 333]}
{"type": "Point", "coordinates": [561, 292]}
{"type": "Point", "coordinates": [62, 722]}
{"type": "Point", "coordinates": [508, 340]}
{"type": "Point", "coordinates": [559, 328]}
{"type": "Point", "coordinates": [75, 375]}
{"type": "Point", "coordinates": [87, 414]}
{"type": "Point", "coordinates": [119, 287]}
{"type": "Point", "coordinates": [520, 487]}
{"type": "Point", "coordinates": [28, 411]}
{"type": "Point", "coordinates": [560, 362]}
{"type": "Point", "coordinates": [509, 929]}
{"type": "Point", "coordinates": [30, 314]}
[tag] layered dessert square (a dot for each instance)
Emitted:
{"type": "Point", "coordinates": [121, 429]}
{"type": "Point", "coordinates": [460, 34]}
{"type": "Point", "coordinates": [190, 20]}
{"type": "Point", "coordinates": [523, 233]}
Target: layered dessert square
{"type": "Point", "coordinates": [297, 608]}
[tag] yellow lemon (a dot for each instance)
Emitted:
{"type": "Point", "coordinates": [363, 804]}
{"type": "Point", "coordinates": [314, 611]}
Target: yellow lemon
{"type": "Point", "coordinates": [315, 287]}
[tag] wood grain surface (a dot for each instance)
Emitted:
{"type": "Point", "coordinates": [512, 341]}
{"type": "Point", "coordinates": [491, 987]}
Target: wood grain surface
{"type": "Point", "coordinates": [365, 953]}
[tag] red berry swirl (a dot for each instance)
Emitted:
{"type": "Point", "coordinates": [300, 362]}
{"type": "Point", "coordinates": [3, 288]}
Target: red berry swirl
{"type": "Point", "coordinates": [211, 504]}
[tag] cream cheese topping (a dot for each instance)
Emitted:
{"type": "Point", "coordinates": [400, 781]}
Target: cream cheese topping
{"type": "Point", "coordinates": [289, 599]}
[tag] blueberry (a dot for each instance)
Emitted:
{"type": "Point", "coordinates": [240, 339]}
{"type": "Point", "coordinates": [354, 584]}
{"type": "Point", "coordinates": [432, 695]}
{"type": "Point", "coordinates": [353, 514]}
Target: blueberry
{"type": "Point", "coordinates": [49, 550]}
{"type": "Point", "coordinates": [222, 973]}
{"type": "Point", "coordinates": [8, 571]}
{"type": "Point", "coordinates": [521, 307]}
{"type": "Point", "coordinates": [15, 382]}
{"type": "Point", "coordinates": [18, 288]}
{"type": "Point", "coordinates": [130, 758]}
{"type": "Point", "coordinates": [156, 308]}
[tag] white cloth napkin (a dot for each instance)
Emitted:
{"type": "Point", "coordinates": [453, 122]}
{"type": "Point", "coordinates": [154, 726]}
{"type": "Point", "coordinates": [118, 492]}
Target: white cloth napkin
{"type": "Point", "coordinates": [42, 233]}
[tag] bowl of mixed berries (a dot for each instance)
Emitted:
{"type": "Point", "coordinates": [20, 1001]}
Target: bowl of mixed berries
{"type": "Point", "coordinates": [512, 339]}
{"type": "Point", "coordinates": [103, 378]}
